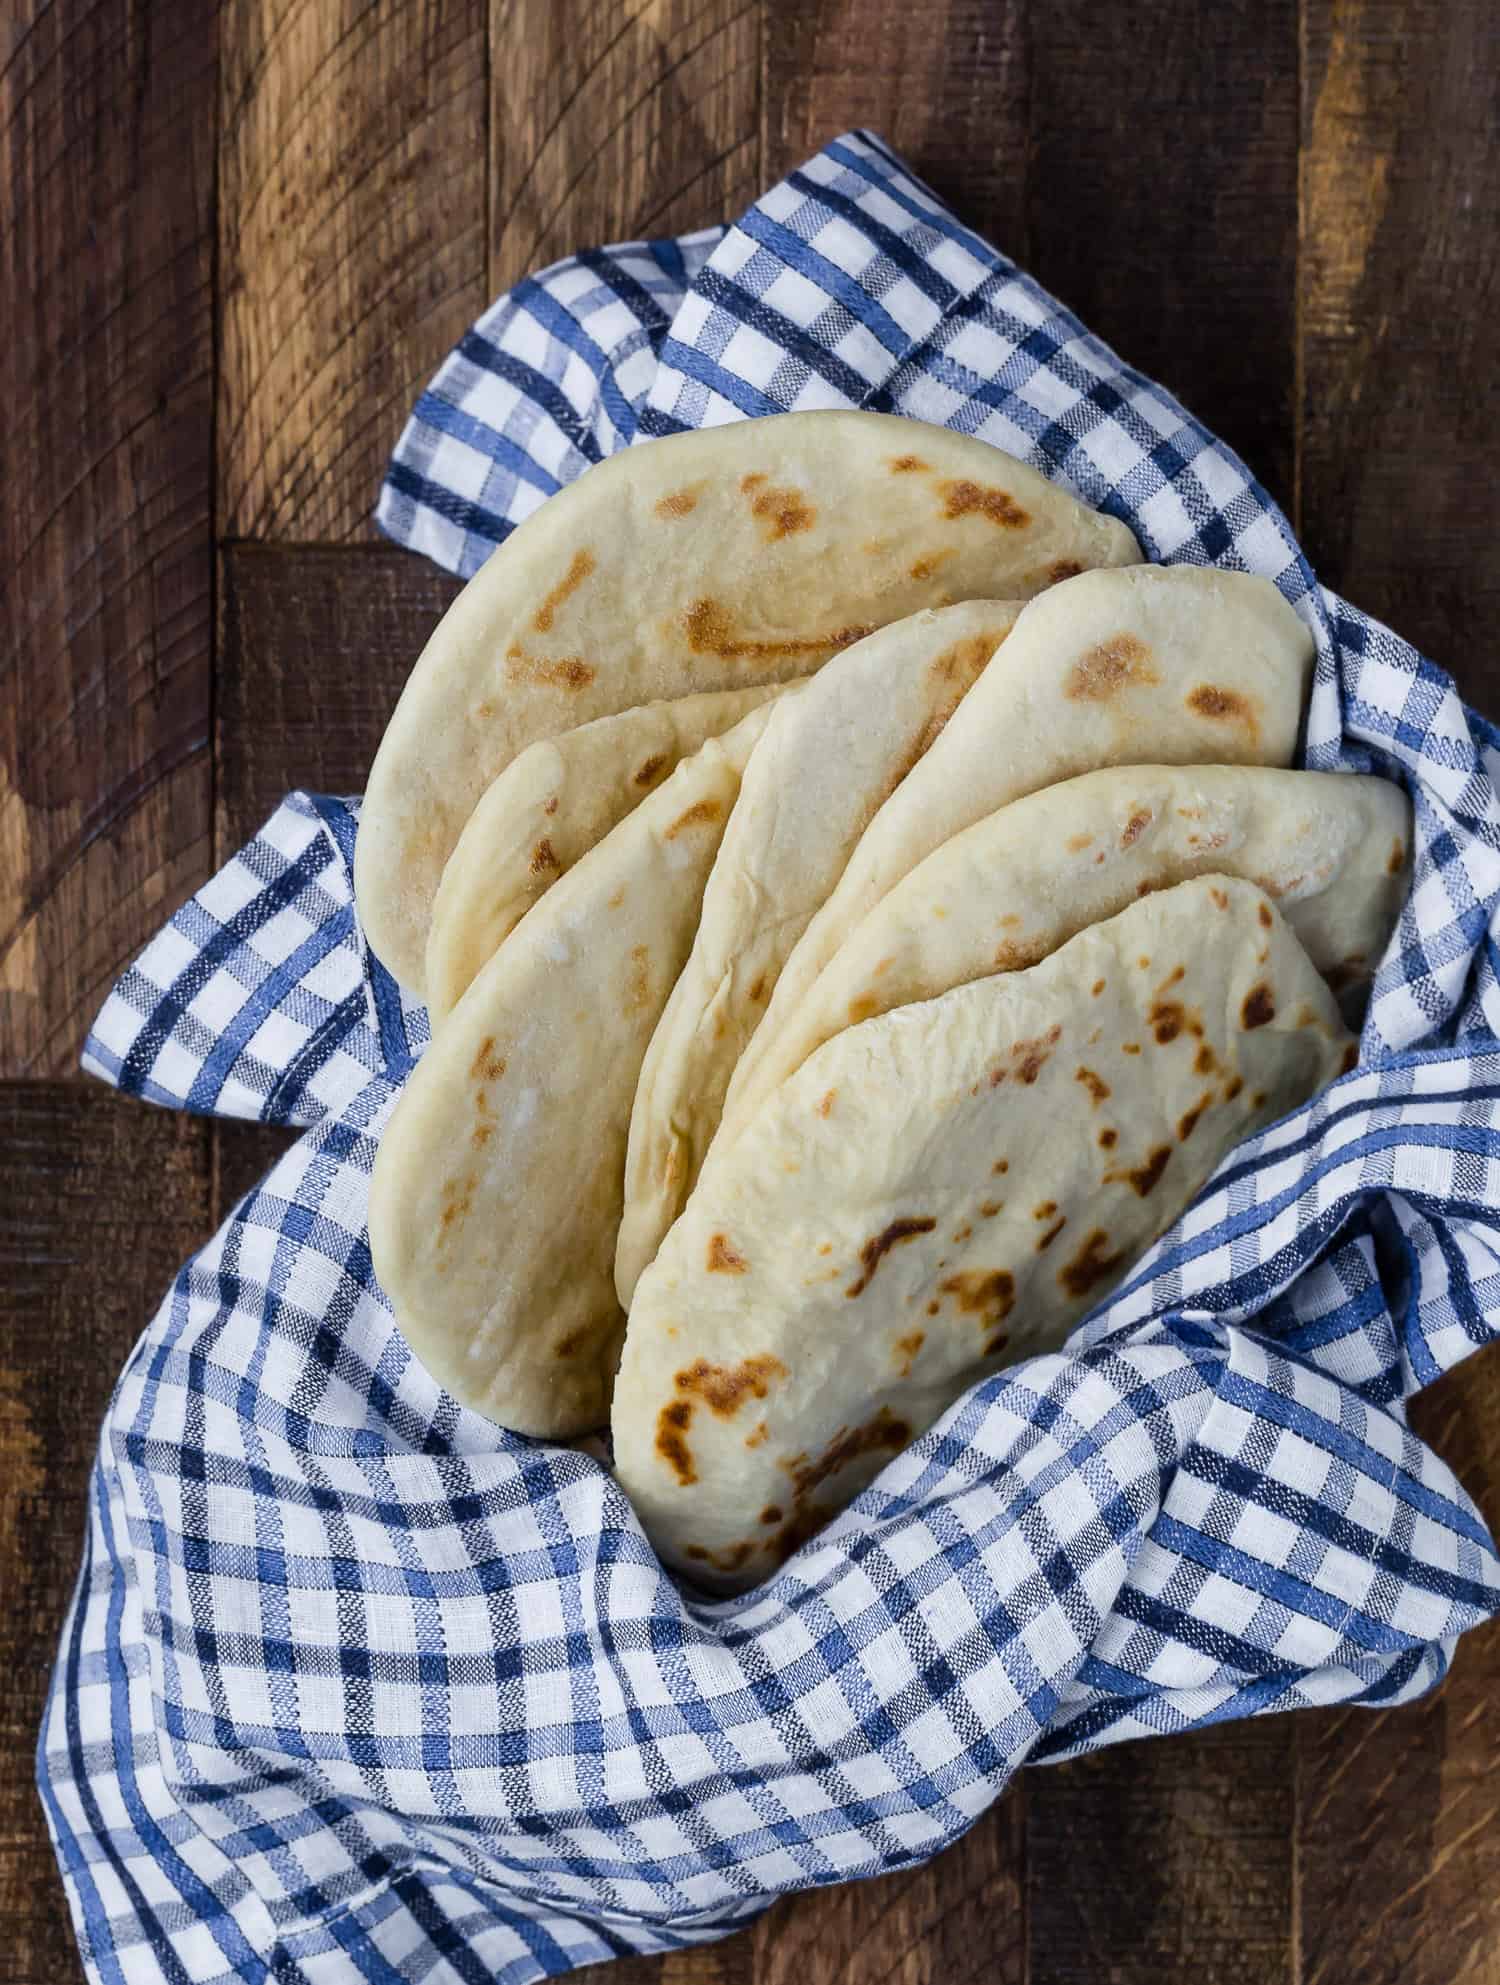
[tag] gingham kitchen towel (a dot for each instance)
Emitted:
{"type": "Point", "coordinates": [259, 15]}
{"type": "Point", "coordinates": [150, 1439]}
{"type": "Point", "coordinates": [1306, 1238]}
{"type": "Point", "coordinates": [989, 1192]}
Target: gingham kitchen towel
{"type": "Point", "coordinates": [358, 1686]}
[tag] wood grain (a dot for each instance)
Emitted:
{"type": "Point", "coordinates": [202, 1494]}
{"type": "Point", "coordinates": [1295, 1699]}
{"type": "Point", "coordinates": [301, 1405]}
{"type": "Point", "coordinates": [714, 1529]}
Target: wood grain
{"type": "Point", "coordinates": [946, 84]}
{"type": "Point", "coordinates": [351, 245]}
{"type": "Point", "coordinates": [613, 119]}
{"type": "Point", "coordinates": [1399, 425]}
{"type": "Point", "coordinates": [1400, 402]}
{"type": "Point", "coordinates": [1163, 201]}
{"type": "Point", "coordinates": [315, 643]}
{"type": "Point", "coordinates": [960, 1920]}
{"type": "Point", "coordinates": [106, 189]}
{"type": "Point", "coordinates": [1165, 1860]}
{"type": "Point", "coordinates": [88, 1181]}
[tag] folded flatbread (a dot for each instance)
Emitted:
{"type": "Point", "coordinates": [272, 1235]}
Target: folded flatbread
{"type": "Point", "coordinates": [1332, 852]}
{"type": "Point", "coordinates": [496, 1191]}
{"type": "Point", "coordinates": [827, 760]}
{"type": "Point", "coordinates": [938, 1192]}
{"type": "Point", "coordinates": [1159, 664]}
{"type": "Point", "coordinates": [735, 555]}
{"type": "Point", "coordinates": [548, 807]}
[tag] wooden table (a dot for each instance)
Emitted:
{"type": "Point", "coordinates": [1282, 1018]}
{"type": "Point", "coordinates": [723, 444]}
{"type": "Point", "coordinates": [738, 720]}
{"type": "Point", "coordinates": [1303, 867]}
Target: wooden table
{"type": "Point", "coordinates": [237, 240]}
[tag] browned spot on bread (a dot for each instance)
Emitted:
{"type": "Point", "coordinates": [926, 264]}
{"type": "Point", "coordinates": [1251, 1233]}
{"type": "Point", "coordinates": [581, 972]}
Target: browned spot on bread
{"type": "Point", "coordinates": [1045, 1211]}
{"type": "Point", "coordinates": [573, 1343]}
{"type": "Point", "coordinates": [583, 564]}
{"type": "Point", "coordinates": [1258, 1100]}
{"type": "Point", "coordinates": [1096, 1085]}
{"type": "Point", "coordinates": [883, 1431]}
{"type": "Point", "coordinates": [1174, 978]}
{"type": "Point", "coordinates": [734, 1559]}
{"type": "Point", "coordinates": [1187, 1123]}
{"type": "Point", "coordinates": [962, 1233]}
{"type": "Point", "coordinates": [1263, 911]}
{"type": "Point", "coordinates": [543, 858]}
{"type": "Point", "coordinates": [1065, 568]}
{"type": "Point", "coordinates": [710, 631]}
{"type": "Point", "coordinates": [771, 1513]}
{"type": "Point", "coordinates": [905, 1349]}
{"type": "Point", "coordinates": [724, 1258]}
{"type": "Point", "coordinates": [1350, 1058]}
{"type": "Point", "coordinates": [551, 805]}
{"type": "Point", "coordinates": [1051, 1234]}
{"type": "Point", "coordinates": [779, 512]}
{"type": "Point", "coordinates": [825, 1101]}
{"type": "Point", "coordinates": [1258, 1006]}
{"type": "Point", "coordinates": [758, 990]}
{"type": "Point", "coordinates": [1076, 843]}
{"type": "Point", "coordinates": [863, 1008]}
{"type": "Point", "coordinates": [879, 1246]}
{"type": "Point", "coordinates": [1397, 859]}
{"type": "Point", "coordinates": [1029, 1058]}
{"type": "Point", "coordinates": [1098, 987]}
{"type": "Point", "coordinates": [679, 502]}
{"type": "Point", "coordinates": [458, 1202]}
{"type": "Point", "coordinates": [924, 567]}
{"type": "Point", "coordinates": [933, 1308]}
{"type": "Point", "coordinates": [964, 661]}
{"type": "Point", "coordinates": [973, 499]}
{"type": "Point", "coordinates": [672, 1423]}
{"type": "Point", "coordinates": [1130, 1047]}
{"type": "Point", "coordinates": [481, 1135]}
{"type": "Point", "coordinates": [757, 1435]}
{"type": "Point", "coordinates": [1233, 1087]}
{"type": "Point", "coordinates": [615, 898]}
{"type": "Point", "coordinates": [650, 769]}
{"type": "Point", "coordinates": [1143, 1178]}
{"type": "Point", "coordinates": [995, 1344]}
{"type": "Point", "coordinates": [1091, 1266]}
{"type": "Point", "coordinates": [1144, 961]}
{"type": "Point", "coordinates": [1000, 1167]}
{"type": "Point", "coordinates": [1223, 706]}
{"type": "Point", "coordinates": [988, 1208]}
{"type": "Point", "coordinates": [1121, 662]}
{"type": "Point", "coordinates": [1205, 1061]}
{"type": "Point", "coordinates": [570, 672]}
{"type": "Point", "coordinates": [1135, 827]}
{"type": "Point", "coordinates": [487, 1066]}
{"type": "Point", "coordinates": [1108, 1138]}
{"type": "Point", "coordinates": [700, 814]}
{"type": "Point", "coordinates": [986, 1293]}
{"type": "Point", "coordinates": [638, 991]}
{"type": "Point", "coordinates": [725, 1388]}
{"type": "Point", "coordinates": [1220, 900]}
{"type": "Point", "coordinates": [905, 465]}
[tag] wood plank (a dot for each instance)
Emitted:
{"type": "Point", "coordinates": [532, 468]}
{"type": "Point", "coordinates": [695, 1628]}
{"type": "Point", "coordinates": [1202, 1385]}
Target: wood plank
{"type": "Point", "coordinates": [945, 84]}
{"type": "Point", "coordinates": [1163, 200]}
{"type": "Point", "coordinates": [315, 643]}
{"type": "Point", "coordinates": [351, 245]}
{"type": "Point", "coordinates": [106, 185]}
{"type": "Point", "coordinates": [614, 121]}
{"type": "Point", "coordinates": [100, 1199]}
{"type": "Point", "coordinates": [1411, 1796]}
{"type": "Point", "coordinates": [1165, 1860]}
{"type": "Point", "coordinates": [1400, 403]}
{"type": "Point", "coordinates": [959, 1920]}
{"type": "Point", "coordinates": [726, 1963]}
{"type": "Point", "coordinates": [1400, 425]}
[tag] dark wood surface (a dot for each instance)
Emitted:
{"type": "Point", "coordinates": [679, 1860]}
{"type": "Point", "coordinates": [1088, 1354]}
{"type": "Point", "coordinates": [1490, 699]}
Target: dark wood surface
{"type": "Point", "coordinates": [236, 241]}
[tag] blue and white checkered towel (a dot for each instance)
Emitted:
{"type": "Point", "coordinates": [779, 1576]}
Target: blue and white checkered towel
{"type": "Point", "coordinates": [356, 1684]}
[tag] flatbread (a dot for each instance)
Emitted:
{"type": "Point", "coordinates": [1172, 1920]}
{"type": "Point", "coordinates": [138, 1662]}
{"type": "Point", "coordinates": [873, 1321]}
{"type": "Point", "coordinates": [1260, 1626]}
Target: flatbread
{"type": "Point", "coordinates": [937, 1193]}
{"type": "Point", "coordinates": [548, 807]}
{"type": "Point", "coordinates": [824, 765]}
{"type": "Point", "coordinates": [740, 554]}
{"type": "Point", "coordinates": [1162, 664]}
{"type": "Point", "coordinates": [1333, 852]}
{"type": "Point", "coordinates": [496, 1191]}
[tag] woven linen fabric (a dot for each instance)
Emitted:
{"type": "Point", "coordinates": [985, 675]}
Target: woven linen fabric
{"type": "Point", "coordinates": [357, 1685]}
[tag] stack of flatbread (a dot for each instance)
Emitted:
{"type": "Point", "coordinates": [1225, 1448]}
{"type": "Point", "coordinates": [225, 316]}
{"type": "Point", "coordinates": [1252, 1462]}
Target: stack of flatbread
{"type": "Point", "coordinates": [859, 904]}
